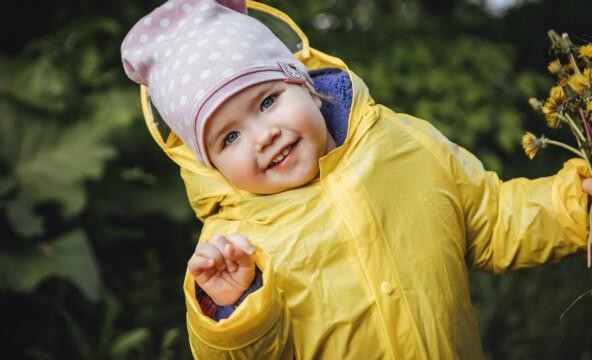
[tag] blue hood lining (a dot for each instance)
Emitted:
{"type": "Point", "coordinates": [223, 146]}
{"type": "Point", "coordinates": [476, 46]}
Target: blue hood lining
{"type": "Point", "coordinates": [336, 84]}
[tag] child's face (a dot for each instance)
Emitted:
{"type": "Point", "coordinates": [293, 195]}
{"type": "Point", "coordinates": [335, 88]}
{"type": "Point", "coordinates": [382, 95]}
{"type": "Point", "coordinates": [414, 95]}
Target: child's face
{"type": "Point", "coordinates": [268, 138]}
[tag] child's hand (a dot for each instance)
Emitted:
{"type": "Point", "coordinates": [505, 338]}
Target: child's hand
{"type": "Point", "coordinates": [587, 185]}
{"type": "Point", "coordinates": [223, 267]}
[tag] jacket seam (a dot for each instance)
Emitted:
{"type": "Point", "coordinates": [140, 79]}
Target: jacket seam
{"type": "Point", "coordinates": [366, 275]}
{"type": "Point", "coordinates": [374, 113]}
{"type": "Point", "coordinates": [396, 273]}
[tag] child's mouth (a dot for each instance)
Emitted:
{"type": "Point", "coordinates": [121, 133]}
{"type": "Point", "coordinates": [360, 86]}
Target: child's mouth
{"type": "Point", "coordinates": [281, 157]}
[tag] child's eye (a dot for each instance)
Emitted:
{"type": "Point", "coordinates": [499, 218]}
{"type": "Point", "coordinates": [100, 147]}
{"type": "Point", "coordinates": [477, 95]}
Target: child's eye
{"type": "Point", "coordinates": [267, 102]}
{"type": "Point", "coordinates": [230, 138]}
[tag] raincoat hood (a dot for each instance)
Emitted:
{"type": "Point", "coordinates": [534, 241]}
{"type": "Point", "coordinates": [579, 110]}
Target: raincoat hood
{"type": "Point", "coordinates": [210, 193]}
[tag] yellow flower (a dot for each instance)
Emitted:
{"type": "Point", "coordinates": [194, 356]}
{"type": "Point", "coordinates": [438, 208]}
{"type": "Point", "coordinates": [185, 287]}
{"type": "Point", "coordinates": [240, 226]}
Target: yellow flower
{"type": "Point", "coordinates": [554, 67]}
{"type": "Point", "coordinates": [556, 98]}
{"type": "Point", "coordinates": [586, 51]}
{"type": "Point", "coordinates": [580, 82]}
{"type": "Point", "coordinates": [589, 106]}
{"type": "Point", "coordinates": [531, 144]}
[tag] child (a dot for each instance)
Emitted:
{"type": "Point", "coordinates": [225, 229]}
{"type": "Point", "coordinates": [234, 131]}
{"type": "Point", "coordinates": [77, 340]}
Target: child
{"type": "Point", "coordinates": [333, 227]}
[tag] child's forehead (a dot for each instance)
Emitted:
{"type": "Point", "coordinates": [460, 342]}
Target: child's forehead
{"type": "Point", "coordinates": [258, 89]}
{"type": "Point", "coordinates": [238, 103]}
{"type": "Point", "coordinates": [249, 95]}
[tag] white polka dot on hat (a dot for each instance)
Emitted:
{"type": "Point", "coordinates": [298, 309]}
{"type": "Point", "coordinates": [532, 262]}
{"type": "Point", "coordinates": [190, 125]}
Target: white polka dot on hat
{"type": "Point", "coordinates": [194, 54]}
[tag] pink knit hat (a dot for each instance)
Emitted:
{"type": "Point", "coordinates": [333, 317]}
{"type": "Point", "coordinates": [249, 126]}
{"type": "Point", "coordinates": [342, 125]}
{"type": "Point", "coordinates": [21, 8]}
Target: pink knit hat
{"type": "Point", "coordinates": [194, 54]}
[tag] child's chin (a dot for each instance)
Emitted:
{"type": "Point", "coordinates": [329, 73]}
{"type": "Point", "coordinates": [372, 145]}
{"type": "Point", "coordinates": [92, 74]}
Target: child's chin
{"type": "Point", "coordinates": [302, 179]}
{"type": "Point", "coordinates": [305, 179]}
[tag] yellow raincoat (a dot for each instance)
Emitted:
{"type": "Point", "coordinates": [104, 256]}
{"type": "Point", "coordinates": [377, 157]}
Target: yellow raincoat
{"type": "Point", "coordinates": [369, 261]}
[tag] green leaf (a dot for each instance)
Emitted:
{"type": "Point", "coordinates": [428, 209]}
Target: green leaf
{"type": "Point", "coordinates": [52, 163]}
{"type": "Point", "coordinates": [117, 107]}
{"type": "Point", "coordinates": [90, 63]}
{"type": "Point", "coordinates": [77, 334]}
{"type": "Point", "coordinates": [12, 124]}
{"type": "Point", "coordinates": [108, 326]}
{"type": "Point", "coordinates": [6, 184]}
{"type": "Point", "coordinates": [78, 32]}
{"type": "Point", "coordinates": [170, 338]}
{"type": "Point", "coordinates": [36, 82]}
{"type": "Point", "coordinates": [129, 341]}
{"type": "Point", "coordinates": [75, 261]}
{"type": "Point", "coordinates": [23, 271]}
{"type": "Point", "coordinates": [24, 221]}
{"type": "Point", "coordinates": [69, 257]}
{"type": "Point", "coordinates": [137, 174]}
{"type": "Point", "coordinates": [167, 197]}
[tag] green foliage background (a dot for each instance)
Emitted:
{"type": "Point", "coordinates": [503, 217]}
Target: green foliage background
{"type": "Point", "coordinates": [95, 230]}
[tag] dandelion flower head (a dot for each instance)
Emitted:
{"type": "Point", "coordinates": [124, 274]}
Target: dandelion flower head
{"type": "Point", "coordinates": [580, 82]}
{"type": "Point", "coordinates": [586, 51]}
{"type": "Point", "coordinates": [555, 100]}
{"type": "Point", "coordinates": [531, 144]}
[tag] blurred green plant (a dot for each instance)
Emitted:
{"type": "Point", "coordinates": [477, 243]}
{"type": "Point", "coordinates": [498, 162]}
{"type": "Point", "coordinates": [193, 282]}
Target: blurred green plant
{"type": "Point", "coordinates": [69, 257]}
{"type": "Point", "coordinates": [67, 114]}
{"type": "Point", "coordinates": [112, 343]}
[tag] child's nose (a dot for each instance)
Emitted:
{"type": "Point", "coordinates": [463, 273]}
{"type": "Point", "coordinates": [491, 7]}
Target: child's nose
{"type": "Point", "coordinates": [267, 137]}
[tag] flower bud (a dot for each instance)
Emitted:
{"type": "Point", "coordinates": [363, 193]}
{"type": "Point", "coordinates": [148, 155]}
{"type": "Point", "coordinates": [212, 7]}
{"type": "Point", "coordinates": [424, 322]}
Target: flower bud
{"type": "Point", "coordinates": [554, 67]}
{"type": "Point", "coordinates": [536, 104]}
{"type": "Point", "coordinates": [560, 43]}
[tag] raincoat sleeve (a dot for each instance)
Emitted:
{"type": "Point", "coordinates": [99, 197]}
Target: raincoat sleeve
{"type": "Point", "coordinates": [521, 222]}
{"type": "Point", "coordinates": [258, 328]}
{"type": "Point", "coordinates": [517, 223]}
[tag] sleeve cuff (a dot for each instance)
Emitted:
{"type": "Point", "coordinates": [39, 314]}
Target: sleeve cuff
{"type": "Point", "coordinates": [250, 321]}
{"type": "Point", "coordinates": [570, 202]}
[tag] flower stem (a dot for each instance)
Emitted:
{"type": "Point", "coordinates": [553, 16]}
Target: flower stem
{"type": "Point", "coordinates": [589, 252]}
{"type": "Point", "coordinates": [589, 137]}
{"type": "Point", "coordinates": [577, 132]}
{"type": "Point", "coordinates": [566, 147]}
{"type": "Point", "coordinates": [577, 300]}
{"type": "Point", "coordinates": [574, 64]}
{"type": "Point", "coordinates": [582, 114]}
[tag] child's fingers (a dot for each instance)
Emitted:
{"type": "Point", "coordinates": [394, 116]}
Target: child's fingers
{"type": "Point", "coordinates": [237, 254]}
{"type": "Point", "coordinates": [210, 251]}
{"type": "Point", "coordinates": [229, 254]}
{"type": "Point", "coordinates": [200, 266]}
{"type": "Point", "coordinates": [242, 242]}
{"type": "Point", "coordinates": [220, 242]}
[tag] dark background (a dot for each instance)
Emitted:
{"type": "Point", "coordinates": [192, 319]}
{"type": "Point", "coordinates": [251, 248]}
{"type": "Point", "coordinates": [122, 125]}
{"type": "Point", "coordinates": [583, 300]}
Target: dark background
{"type": "Point", "coordinates": [95, 229]}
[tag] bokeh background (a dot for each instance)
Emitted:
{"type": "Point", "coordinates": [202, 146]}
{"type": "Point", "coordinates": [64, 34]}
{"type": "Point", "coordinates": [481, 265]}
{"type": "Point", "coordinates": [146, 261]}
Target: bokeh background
{"type": "Point", "coordinates": [95, 230]}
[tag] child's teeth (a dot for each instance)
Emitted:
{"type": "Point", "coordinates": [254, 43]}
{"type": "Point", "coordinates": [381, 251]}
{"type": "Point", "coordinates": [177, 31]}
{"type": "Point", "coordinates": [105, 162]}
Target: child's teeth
{"type": "Point", "coordinates": [281, 156]}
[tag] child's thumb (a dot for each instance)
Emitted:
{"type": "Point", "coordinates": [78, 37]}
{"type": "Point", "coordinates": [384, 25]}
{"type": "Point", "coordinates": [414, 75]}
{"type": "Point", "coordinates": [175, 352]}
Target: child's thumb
{"type": "Point", "coordinates": [587, 185]}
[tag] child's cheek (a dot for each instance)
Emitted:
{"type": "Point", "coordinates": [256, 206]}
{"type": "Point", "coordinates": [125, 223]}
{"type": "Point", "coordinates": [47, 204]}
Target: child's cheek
{"type": "Point", "coordinates": [241, 169]}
